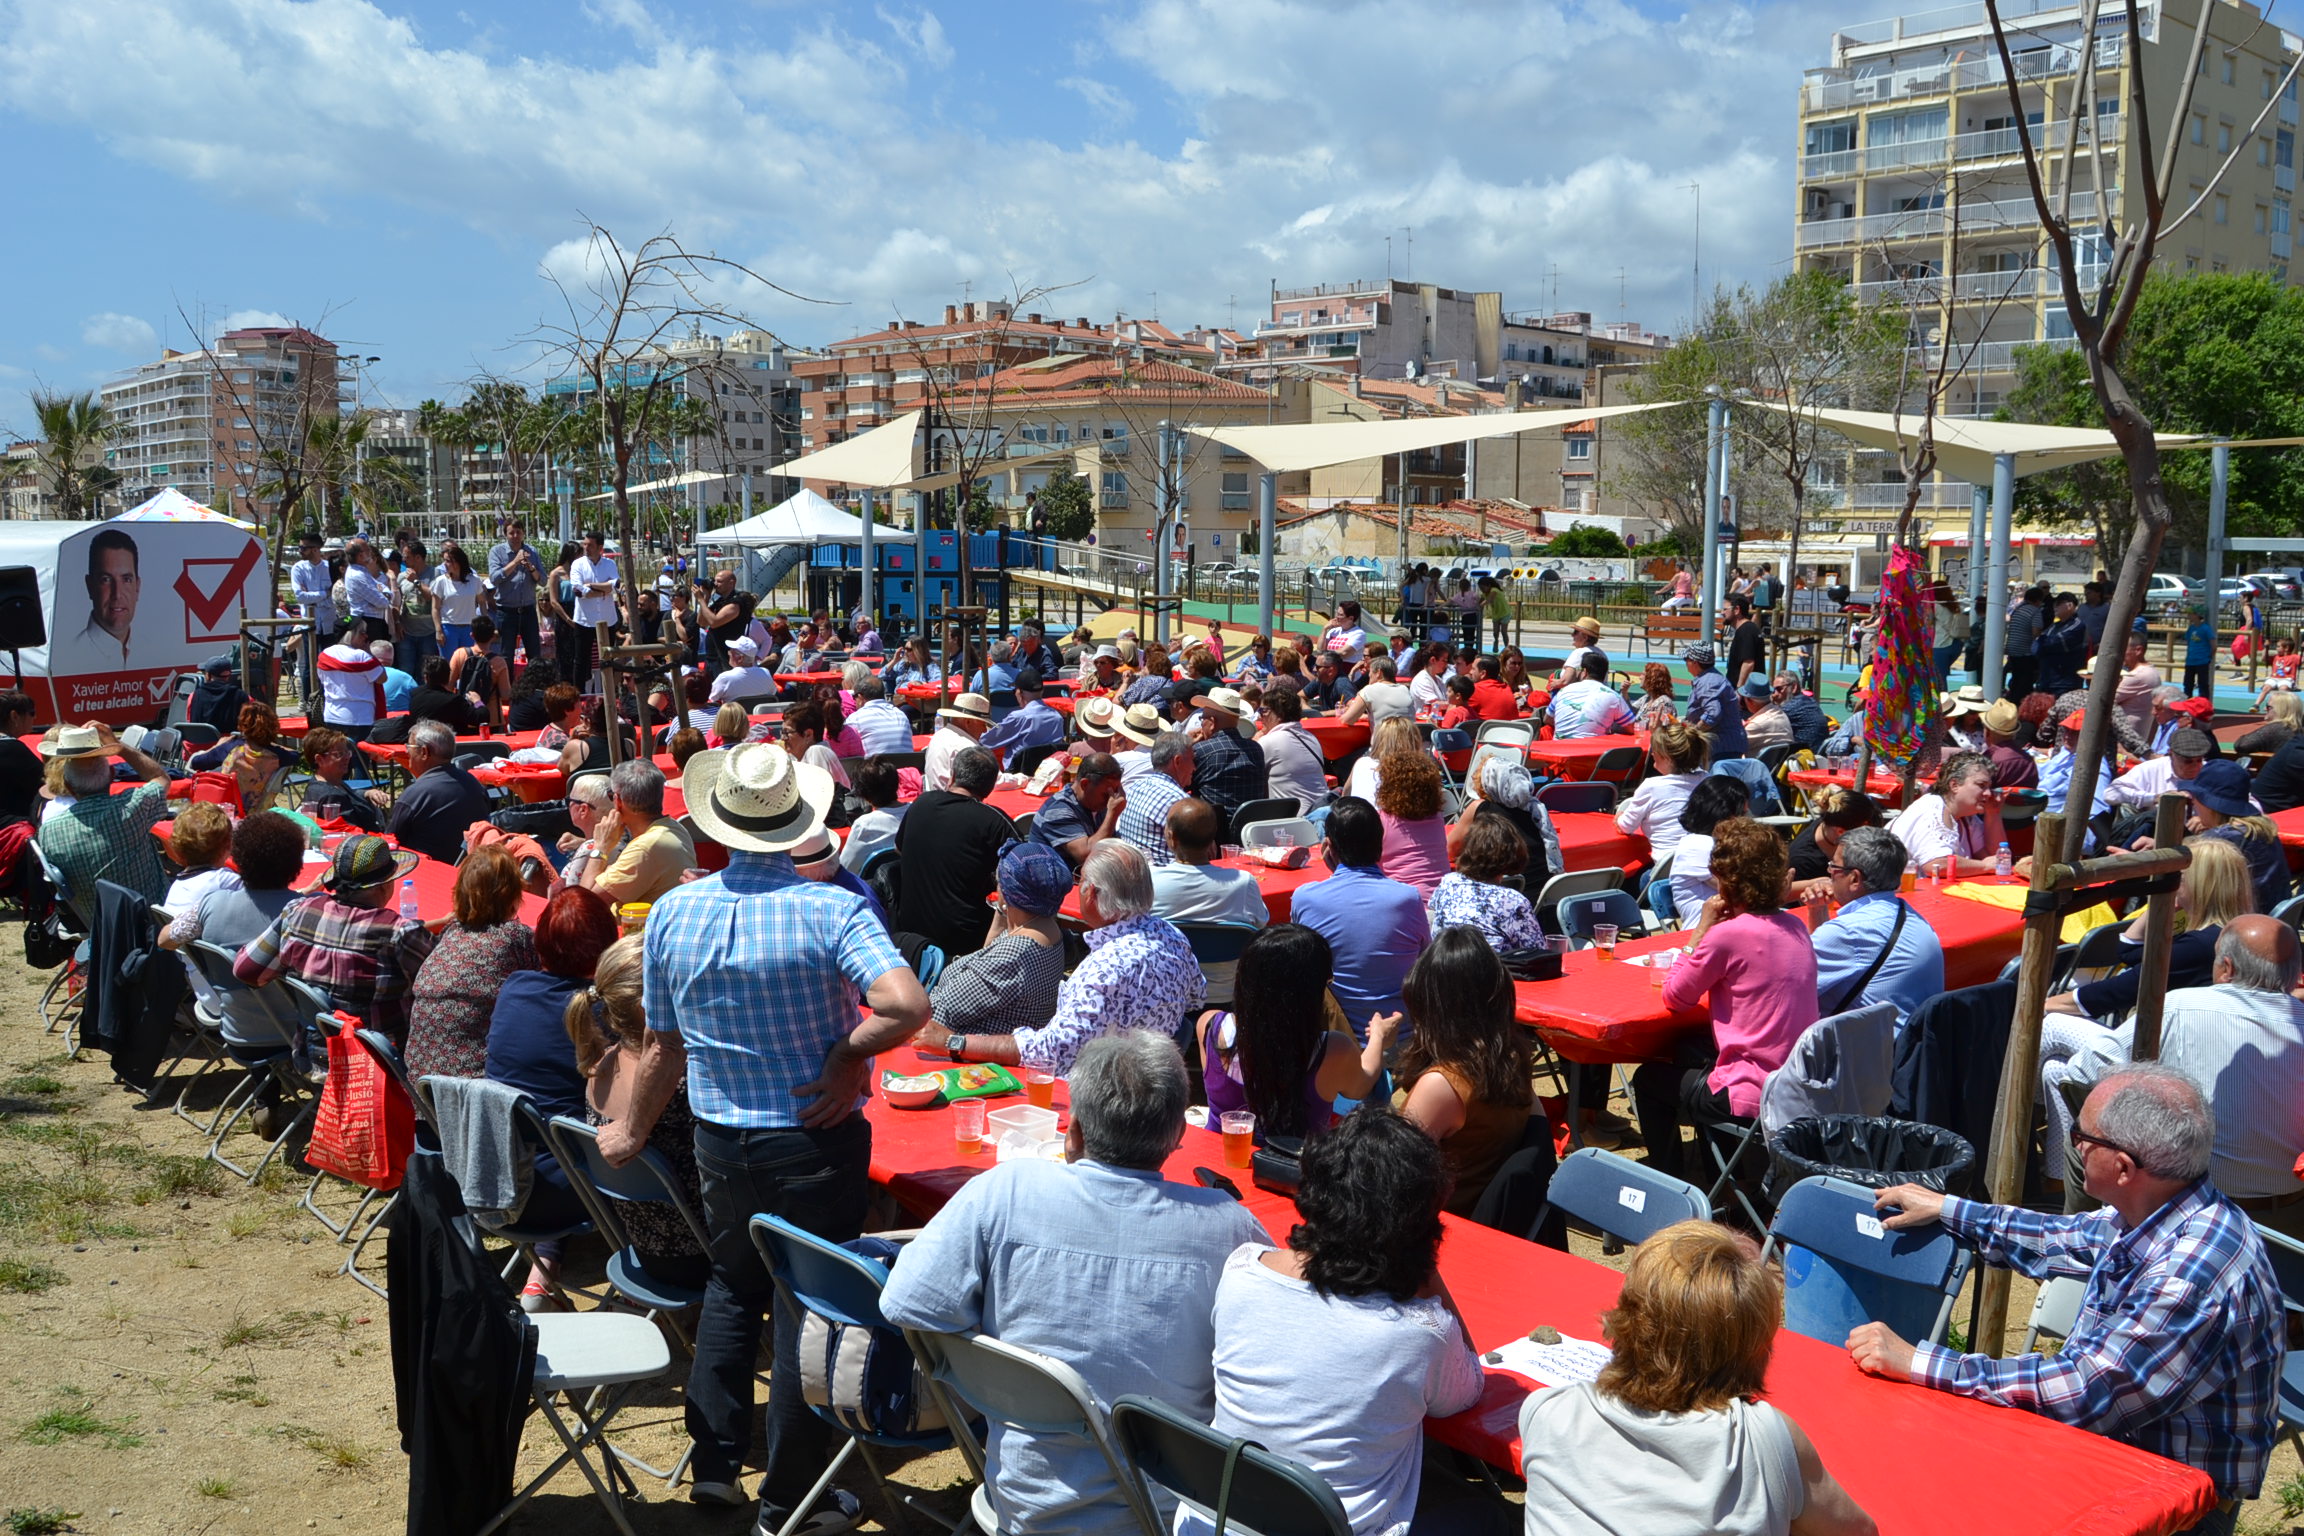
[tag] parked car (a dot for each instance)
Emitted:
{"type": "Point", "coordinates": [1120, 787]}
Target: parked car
{"type": "Point", "coordinates": [2281, 586]}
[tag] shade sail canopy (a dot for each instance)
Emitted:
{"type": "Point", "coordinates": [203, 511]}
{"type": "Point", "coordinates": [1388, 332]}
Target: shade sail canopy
{"type": "Point", "coordinates": [1319, 444]}
{"type": "Point", "coordinates": [1965, 449]}
{"type": "Point", "coordinates": [173, 506]}
{"type": "Point", "coordinates": [685, 478]}
{"type": "Point", "coordinates": [1085, 460]}
{"type": "Point", "coordinates": [881, 458]}
{"type": "Point", "coordinates": [801, 518]}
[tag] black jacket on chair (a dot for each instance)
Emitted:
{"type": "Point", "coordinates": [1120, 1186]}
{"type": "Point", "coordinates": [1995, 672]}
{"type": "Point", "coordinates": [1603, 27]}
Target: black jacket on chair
{"type": "Point", "coordinates": [1948, 1057]}
{"type": "Point", "coordinates": [463, 1359]}
{"type": "Point", "coordinates": [133, 986]}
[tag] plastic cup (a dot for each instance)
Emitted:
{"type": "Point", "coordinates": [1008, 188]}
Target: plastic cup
{"type": "Point", "coordinates": [1233, 851]}
{"type": "Point", "coordinates": [1909, 883]}
{"type": "Point", "coordinates": [968, 1126]}
{"type": "Point", "coordinates": [1604, 940]}
{"type": "Point", "coordinates": [1040, 1089]}
{"type": "Point", "coordinates": [1239, 1127]}
{"type": "Point", "coordinates": [1944, 870]}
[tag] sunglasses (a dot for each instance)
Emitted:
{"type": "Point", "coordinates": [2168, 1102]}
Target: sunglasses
{"type": "Point", "coordinates": [2080, 1136]}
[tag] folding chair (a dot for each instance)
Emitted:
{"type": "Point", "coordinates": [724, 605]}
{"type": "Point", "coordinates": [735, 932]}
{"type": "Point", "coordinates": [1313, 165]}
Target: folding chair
{"type": "Point", "coordinates": [1840, 1065]}
{"type": "Point", "coordinates": [2287, 1257]}
{"type": "Point", "coordinates": [1295, 832]}
{"type": "Point", "coordinates": [280, 1070]}
{"type": "Point", "coordinates": [1658, 896]}
{"type": "Point", "coordinates": [1772, 757]}
{"type": "Point", "coordinates": [1620, 766]}
{"type": "Point", "coordinates": [1516, 734]}
{"type": "Point", "coordinates": [1580, 798]}
{"type": "Point", "coordinates": [592, 1362]}
{"type": "Point", "coordinates": [1579, 913]}
{"type": "Point", "coordinates": [1756, 780]}
{"type": "Point", "coordinates": [2290, 911]}
{"type": "Point", "coordinates": [604, 1187]}
{"type": "Point", "coordinates": [2096, 950]}
{"type": "Point", "coordinates": [1254, 811]}
{"type": "Point", "coordinates": [1624, 1201]}
{"type": "Point", "coordinates": [528, 1124]}
{"type": "Point", "coordinates": [1217, 947]}
{"type": "Point", "coordinates": [203, 1035]}
{"type": "Point", "coordinates": [1576, 882]}
{"type": "Point", "coordinates": [2055, 1309]}
{"type": "Point", "coordinates": [67, 977]}
{"type": "Point", "coordinates": [1447, 744]}
{"type": "Point", "coordinates": [1021, 1389]}
{"type": "Point", "coordinates": [1225, 1481]}
{"type": "Point", "coordinates": [1844, 1268]}
{"type": "Point", "coordinates": [842, 1286]}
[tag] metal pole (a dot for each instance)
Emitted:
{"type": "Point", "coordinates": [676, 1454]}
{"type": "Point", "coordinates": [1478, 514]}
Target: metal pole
{"type": "Point", "coordinates": [1161, 514]}
{"type": "Point", "coordinates": [1979, 523]}
{"type": "Point", "coordinates": [864, 592]}
{"type": "Point", "coordinates": [1708, 594]}
{"type": "Point", "coordinates": [1267, 513]}
{"type": "Point", "coordinates": [1995, 611]}
{"type": "Point", "coordinates": [2219, 488]}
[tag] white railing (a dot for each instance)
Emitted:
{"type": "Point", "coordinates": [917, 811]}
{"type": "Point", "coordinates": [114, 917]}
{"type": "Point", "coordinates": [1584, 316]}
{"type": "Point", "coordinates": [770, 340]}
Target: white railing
{"type": "Point", "coordinates": [1957, 18]}
{"type": "Point", "coordinates": [1969, 287]}
{"type": "Point", "coordinates": [1984, 356]}
{"type": "Point", "coordinates": [1827, 90]}
{"type": "Point", "coordinates": [1935, 493]}
{"type": "Point", "coordinates": [1922, 223]}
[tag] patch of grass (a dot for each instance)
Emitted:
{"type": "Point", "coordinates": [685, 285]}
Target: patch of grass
{"type": "Point", "coordinates": [2291, 1497]}
{"type": "Point", "coordinates": [34, 1085]}
{"type": "Point", "coordinates": [336, 1452]}
{"type": "Point", "coordinates": [248, 1333]}
{"type": "Point", "coordinates": [246, 1221]}
{"type": "Point", "coordinates": [1956, 1338]}
{"type": "Point", "coordinates": [27, 1278]}
{"type": "Point", "coordinates": [216, 1488]}
{"type": "Point", "coordinates": [243, 1389]}
{"type": "Point", "coordinates": [174, 1176]}
{"type": "Point", "coordinates": [39, 1522]}
{"type": "Point", "coordinates": [74, 1418]}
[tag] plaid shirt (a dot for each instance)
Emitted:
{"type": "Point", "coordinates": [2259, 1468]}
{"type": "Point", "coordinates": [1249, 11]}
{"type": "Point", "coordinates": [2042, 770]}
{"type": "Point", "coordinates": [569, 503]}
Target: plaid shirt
{"type": "Point", "coordinates": [1140, 974]}
{"type": "Point", "coordinates": [1145, 822]}
{"type": "Point", "coordinates": [757, 970]}
{"type": "Point", "coordinates": [2178, 1344]}
{"type": "Point", "coordinates": [363, 957]}
{"type": "Point", "coordinates": [110, 838]}
{"type": "Point", "coordinates": [1227, 772]}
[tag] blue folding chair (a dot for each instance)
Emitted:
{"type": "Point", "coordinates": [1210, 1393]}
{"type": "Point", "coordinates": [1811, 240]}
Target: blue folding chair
{"type": "Point", "coordinates": [1579, 913]}
{"type": "Point", "coordinates": [841, 1286]}
{"type": "Point", "coordinates": [604, 1187]}
{"type": "Point", "coordinates": [2287, 1257]}
{"type": "Point", "coordinates": [1844, 1268]}
{"type": "Point", "coordinates": [1222, 1477]}
{"type": "Point", "coordinates": [1624, 1201]}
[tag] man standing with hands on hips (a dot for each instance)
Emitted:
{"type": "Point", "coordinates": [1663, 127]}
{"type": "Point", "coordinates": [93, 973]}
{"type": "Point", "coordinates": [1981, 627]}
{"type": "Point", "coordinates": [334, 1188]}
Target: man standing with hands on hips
{"type": "Point", "coordinates": [2177, 1348]}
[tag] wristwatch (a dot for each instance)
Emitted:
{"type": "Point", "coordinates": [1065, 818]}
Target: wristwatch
{"type": "Point", "coordinates": [954, 1045]}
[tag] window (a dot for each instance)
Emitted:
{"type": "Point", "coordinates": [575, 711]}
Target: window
{"type": "Point", "coordinates": [2223, 141]}
{"type": "Point", "coordinates": [2228, 66]}
{"type": "Point", "coordinates": [1832, 138]}
{"type": "Point", "coordinates": [2262, 215]}
{"type": "Point", "coordinates": [1581, 448]}
{"type": "Point", "coordinates": [2199, 128]}
{"type": "Point", "coordinates": [2223, 209]}
{"type": "Point", "coordinates": [1886, 128]}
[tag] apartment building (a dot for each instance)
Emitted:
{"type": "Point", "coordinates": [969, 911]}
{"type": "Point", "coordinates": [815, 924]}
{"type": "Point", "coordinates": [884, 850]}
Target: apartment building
{"type": "Point", "coordinates": [199, 421]}
{"type": "Point", "coordinates": [1912, 187]}
{"type": "Point", "coordinates": [1392, 329]}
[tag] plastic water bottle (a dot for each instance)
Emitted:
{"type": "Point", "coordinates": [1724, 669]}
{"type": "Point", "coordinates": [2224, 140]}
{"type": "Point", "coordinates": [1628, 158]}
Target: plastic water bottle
{"type": "Point", "coordinates": [410, 912]}
{"type": "Point", "coordinates": [2002, 864]}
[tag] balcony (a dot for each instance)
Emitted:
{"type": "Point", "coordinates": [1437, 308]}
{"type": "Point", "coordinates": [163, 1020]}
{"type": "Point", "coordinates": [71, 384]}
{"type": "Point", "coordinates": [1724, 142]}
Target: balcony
{"type": "Point", "coordinates": [1112, 501]}
{"type": "Point", "coordinates": [1830, 90]}
{"type": "Point", "coordinates": [1968, 288]}
{"type": "Point", "coordinates": [1936, 493]}
{"type": "Point", "coordinates": [1984, 356]}
{"type": "Point", "coordinates": [1928, 223]}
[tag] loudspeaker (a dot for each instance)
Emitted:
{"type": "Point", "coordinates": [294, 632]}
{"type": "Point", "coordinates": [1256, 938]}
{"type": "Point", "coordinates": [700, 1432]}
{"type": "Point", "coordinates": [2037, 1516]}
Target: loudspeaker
{"type": "Point", "coordinates": [21, 623]}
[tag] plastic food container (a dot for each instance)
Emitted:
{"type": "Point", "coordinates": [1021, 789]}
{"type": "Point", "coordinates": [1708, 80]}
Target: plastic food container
{"type": "Point", "coordinates": [1021, 1130]}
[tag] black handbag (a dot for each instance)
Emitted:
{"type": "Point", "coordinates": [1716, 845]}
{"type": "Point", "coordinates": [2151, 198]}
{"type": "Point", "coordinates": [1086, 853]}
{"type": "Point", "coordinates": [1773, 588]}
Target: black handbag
{"type": "Point", "coordinates": [1532, 964]}
{"type": "Point", "coordinates": [1278, 1165]}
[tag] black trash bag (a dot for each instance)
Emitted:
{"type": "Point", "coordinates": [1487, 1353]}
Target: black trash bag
{"type": "Point", "coordinates": [1871, 1151]}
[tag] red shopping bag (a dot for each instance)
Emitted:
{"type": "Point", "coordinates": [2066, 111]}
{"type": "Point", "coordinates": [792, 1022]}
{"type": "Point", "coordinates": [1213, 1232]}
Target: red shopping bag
{"type": "Point", "coordinates": [365, 1127]}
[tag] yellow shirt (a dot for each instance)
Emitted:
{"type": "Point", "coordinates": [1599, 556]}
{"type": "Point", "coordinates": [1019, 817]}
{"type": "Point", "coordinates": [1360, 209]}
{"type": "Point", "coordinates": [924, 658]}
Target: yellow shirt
{"type": "Point", "coordinates": [649, 865]}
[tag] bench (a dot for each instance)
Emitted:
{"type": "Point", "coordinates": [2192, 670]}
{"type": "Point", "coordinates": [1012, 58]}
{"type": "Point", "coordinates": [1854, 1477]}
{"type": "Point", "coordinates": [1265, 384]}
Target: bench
{"type": "Point", "coordinates": [1670, 633]}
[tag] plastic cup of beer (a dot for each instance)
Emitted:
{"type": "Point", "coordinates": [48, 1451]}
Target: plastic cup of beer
{"type": "Point", "coordinates": [968, 1126]}
{"type": "Point", "coordinates": [1909, 883]}
{"type": "Point", "coordinates": [1039, 1088]}
{"type": "Point", "coordinates": [1239, 1127]}
{"type": "Point", "coordinates": [1604, 940]}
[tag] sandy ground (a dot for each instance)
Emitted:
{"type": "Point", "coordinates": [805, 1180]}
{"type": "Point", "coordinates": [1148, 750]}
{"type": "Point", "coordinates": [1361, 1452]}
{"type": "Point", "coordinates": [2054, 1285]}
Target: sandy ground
{"type": "Point", "coordinates": [179, 1353]}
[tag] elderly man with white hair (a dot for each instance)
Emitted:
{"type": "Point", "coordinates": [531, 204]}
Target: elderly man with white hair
{"type": "Point", "coordinates": [399, 686]}
{"type": "Point", "coordinates": [1104, 1265]}
{"type": "Point", "coordinates": [745, 680]}
{"type": "Point", "coordinates": [2177, 1348]}
{"type": "Point", "coordinates": [1140, 974]}
{"type": "Point", "coordinates": [441, 800]}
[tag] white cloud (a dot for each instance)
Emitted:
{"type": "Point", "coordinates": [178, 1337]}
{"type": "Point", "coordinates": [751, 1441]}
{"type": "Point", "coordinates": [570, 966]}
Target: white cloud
{"type": "Point", "coordinates": [245, 319]}
{"type": "Point", "coordinates": [1300, 135]}
{"type": "Point", "coordinates": [119, 333]}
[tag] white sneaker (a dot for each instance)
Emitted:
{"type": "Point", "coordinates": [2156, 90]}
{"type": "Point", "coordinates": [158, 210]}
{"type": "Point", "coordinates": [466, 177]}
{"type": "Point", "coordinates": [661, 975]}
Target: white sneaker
{"type": "Point", "coordinates": [722, 1495]}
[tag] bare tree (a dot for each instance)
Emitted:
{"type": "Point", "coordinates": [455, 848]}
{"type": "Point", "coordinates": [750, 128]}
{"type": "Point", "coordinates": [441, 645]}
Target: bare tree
{"type": "Point", "coordinates": [280, 425]}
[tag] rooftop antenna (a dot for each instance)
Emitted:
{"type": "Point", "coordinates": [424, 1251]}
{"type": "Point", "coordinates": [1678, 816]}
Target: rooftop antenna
{"type": "Point", "coordinates": [1696, 255]}
{"type": "Point", "coordinates": [1407, 252]}
{"type": "Point", "coordinates": [1155, 306]}
{"type": "Point", "coordinates": [1553, 272]}
{"type": "Point", "coordinates": [1387, 258]}
{"type": "Point", "coordinates": [1619, 293]}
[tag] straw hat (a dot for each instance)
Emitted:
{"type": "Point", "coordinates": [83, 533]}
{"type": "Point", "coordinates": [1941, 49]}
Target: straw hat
{"type": "Point", "coordinates": [968, 707]}
{"type": "Point", "coordinates": [1226, 699]}
{"type": "Point", "coordinates": [1141, 724]}
{"type": "Point", "coordinates": [76, 741]}
{"type": "Point", "coordinates": [1589, 625]}
{"type": "Point", "coordinates": [1095, 717]}
{"type": "Point", "coordinates": [2002, 717]}
{"type": "Point", "coordinates": [1968, 701]}
{"type": "Point", "coordinates": [756, 797]}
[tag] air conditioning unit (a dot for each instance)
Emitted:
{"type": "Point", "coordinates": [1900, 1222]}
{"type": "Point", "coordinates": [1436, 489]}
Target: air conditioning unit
{"type": "Point", "coordinates": [1814, 201]}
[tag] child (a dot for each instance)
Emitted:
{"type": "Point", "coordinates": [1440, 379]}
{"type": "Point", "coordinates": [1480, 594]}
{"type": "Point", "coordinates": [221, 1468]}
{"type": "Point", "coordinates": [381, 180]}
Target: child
{"type": "Point", "coordinates": [876, 786]}
{"type": "Point", "coordinates": [1459, 708]}
{"type": "Point", "coordinates": [200, 842]}
{"type": "Point", "coordinates": [2283, 678]}
{"type": "Point", "coordinates": [2199, 655]}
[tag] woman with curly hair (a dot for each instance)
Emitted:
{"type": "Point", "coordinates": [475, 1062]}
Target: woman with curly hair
{"type": "Point", "coordinates": [254, 755]}
{"type": "Point", "coordinates": [1467, 1063]}
{"type": "Point", "coordinates": [1751, 963]}
{"type": "Point", "coordinates": [1672, 1438]}
{"type": "Point", "coordinates": [1415, 832]}
{"type": "Point", "coordinates": [1656, 704]}
{"type": "Point", "coordinates": [1361, 1275]}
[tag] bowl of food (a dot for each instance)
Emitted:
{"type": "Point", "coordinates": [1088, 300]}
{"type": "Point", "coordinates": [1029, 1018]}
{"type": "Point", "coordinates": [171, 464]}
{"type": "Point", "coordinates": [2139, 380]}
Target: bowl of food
{"type": "Point", "coordinates": [911, 1092]}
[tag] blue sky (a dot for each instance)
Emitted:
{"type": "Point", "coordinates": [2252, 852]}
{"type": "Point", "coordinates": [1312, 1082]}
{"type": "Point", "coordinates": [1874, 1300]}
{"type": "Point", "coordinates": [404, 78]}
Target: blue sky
{"type": "Point", "coordinates": [398, 174]}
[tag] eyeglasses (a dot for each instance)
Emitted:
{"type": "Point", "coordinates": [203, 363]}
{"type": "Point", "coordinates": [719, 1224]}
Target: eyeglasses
{"type": "Point", "coordinates": [2079, 1136]}
{"type": "Point", "coordinates": [1841, 869]}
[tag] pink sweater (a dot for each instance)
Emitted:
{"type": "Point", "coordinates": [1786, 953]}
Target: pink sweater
{"type": "Point", "coordinates": [1415, 852]}
{"type": "Point", "coordinates": [1761, 974]}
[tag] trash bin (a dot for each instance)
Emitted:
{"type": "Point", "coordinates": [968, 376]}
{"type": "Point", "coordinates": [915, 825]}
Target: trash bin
{"type": "Point", "coordinates": [1869, 1150]}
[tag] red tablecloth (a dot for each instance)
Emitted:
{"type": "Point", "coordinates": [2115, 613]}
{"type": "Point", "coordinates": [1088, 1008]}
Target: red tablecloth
{"type": "Point", "coordinates": [1589, 840]}
{"type": "Point", "coordinates": [2030, 1475]}
{"type": "Point", "coordinates": [1337, 739]}
{"type": "Point", "coordinates": [1879, 786]}
{"type": "Point", "coordinates": [397, 752]}
{"type": "Point", "coordinates": [1604, 1011]}
{"type": "Point", "coordinates": [530, 782]}
{"type": "Point", "coordinates": [1575, 759]}
{"type": "Point", "coordinates": [435, 882]}
{"type": "Point", "coordinates": [1279, 886]}
{"type": "Point", "coordinates": [789, 678]}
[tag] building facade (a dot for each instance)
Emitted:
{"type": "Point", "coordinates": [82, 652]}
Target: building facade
{"type": "Point", "coordinates": [202, 421]}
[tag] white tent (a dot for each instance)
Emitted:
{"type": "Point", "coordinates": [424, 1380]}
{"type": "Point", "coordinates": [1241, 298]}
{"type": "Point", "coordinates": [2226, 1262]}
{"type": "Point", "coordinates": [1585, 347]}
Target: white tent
{"type": "Point", "coordinates": [802, 518]}
{"type": "Point", "coordinates": [1965, 449]}
{"type": "Point", "coordinates": [173, 506]}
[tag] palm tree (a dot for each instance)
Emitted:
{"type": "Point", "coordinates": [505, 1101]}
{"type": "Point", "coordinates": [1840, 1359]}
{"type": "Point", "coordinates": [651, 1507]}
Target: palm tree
{"type": "Point", "coordinates": [73, 432]}
{"type": "Point", "coordinates": [346, 474]}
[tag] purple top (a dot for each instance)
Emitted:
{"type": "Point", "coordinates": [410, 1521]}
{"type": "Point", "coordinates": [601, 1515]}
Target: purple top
{"type": "Point", "coordinates": [1227, 1093]}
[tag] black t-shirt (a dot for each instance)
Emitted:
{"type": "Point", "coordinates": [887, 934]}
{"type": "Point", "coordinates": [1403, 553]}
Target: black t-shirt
{"type": "Point", "coordinates": [338, 802]}
{"type": "Point", "coordinates": [1807, 859]}
{"type": "Point", "coordinates": [1744, 646]}
{"type": "Point", "coordinates": [2280, 782]}
{"type": "Point", "coordinates": [948, 857]}
{"type": "Point", "coordinates": [432, 814]}
{"type": "Point", "coordinates": [526, 712]}
{"type": "Point", "coordinates": [450, 709]}
{"type": "Point", "coordinates": [20, 777]}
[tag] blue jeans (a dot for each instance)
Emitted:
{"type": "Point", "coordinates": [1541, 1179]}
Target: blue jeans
{"type": "Point", "coordinates": [1946, 654]}
{"type": "Point", "coordinates": [454, 637]}
{"type": "Point", "coordinates": [817, 1180]}
{"type": "Point", "coordinates": [412, 651]}
{"type": "Point", "coordinates": [519, 624]}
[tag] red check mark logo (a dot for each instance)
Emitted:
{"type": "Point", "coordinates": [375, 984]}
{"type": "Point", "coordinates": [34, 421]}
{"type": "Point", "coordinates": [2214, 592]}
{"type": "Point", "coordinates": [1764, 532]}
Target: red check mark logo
{"type": "Point", "coordinates": [208, 608]}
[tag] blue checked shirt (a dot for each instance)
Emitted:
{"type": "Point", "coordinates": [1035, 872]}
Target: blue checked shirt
{"type": "Point", "coordinates": [759, 970]}
{"type": "Point", "coordinates": [1145, 822]}
{"type": "Point", "coordinates": [1140, 974]}
{"type": "Point", "coordinates": [2178, 1344]}
{"type": "Point", "coordinates": [1032, 725]}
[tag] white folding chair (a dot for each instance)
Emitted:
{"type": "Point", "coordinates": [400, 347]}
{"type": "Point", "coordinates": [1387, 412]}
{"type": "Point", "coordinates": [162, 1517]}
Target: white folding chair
{"type": "Point", "coordinates": [2054, 1310]}
{"type": "Point", "coordinates": [1295, 832]}
{"type": "Point", "coordinates": [590, 1362]}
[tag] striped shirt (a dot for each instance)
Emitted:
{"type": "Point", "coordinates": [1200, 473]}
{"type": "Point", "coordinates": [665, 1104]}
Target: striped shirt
{"type": "Point", "coordinates": [363, 958]}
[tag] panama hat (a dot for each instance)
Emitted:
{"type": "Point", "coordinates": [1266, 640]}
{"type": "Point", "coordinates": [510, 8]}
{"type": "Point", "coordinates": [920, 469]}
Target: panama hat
{"type": "Point", "coordinates": [1225, 699]}
{"type": "Point", "coordinates": [2002, 717]}
{"type": "Point", "coordinates": [1968, 701]}
{"type": "Point", "coordinates": [968, 706]}
{"type": "Point", "coordinates": [756, 797]}
{"type": "Point", "coordinates": [1094, 717]}
{"type": "Point", "coordinates": [1589, 625]}
{"type": "Point", "coordinates": [1141, 724]}
{"type": "Point", "coordinates": [76, 741]}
